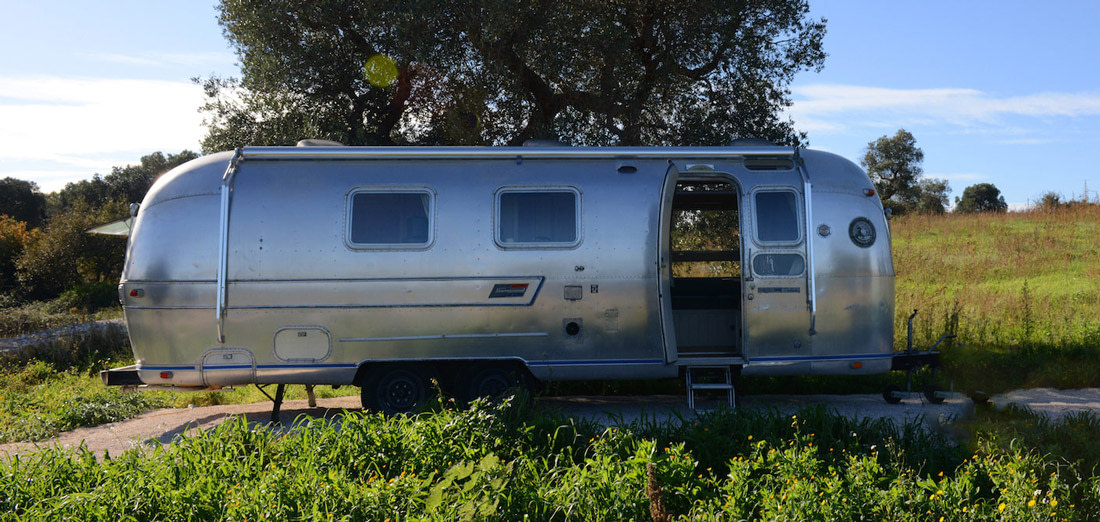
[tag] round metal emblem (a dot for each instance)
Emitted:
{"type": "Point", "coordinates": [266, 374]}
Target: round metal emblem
{"type": "Point", "coordinates": [862, 232]}
{"type": "Point", "coordinates": [824, 230]}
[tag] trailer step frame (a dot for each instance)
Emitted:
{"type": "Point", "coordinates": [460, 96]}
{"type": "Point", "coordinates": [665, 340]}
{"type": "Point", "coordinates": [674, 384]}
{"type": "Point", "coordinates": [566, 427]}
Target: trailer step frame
{"type": "Point", "coordinates": [714, 372]}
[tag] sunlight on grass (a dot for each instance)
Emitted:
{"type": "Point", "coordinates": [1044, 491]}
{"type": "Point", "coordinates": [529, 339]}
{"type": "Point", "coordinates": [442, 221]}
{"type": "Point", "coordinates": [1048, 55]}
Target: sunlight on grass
{"type": "Point", "coordinates": [1021, 290]}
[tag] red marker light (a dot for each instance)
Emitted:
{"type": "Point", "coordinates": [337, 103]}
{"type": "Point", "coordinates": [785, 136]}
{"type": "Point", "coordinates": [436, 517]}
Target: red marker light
{"type": "Point", "coordinates": [165, 375]}
{"type": "Point", "coordinates": [137, 292]}
{"type": "Point", "coordinates": [857, 365]}
{"type": "Point", "coordinates": [868, 192]}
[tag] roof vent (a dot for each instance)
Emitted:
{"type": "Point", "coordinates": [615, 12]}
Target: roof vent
{"type": "Point", "coordinates": [765, 163]}
{"type": "Point", "coordinates": [751, 142]}
{"type": "Point", "coordinates": [543, 143]}
{"type": "Point", "coordinates": [317, 142]}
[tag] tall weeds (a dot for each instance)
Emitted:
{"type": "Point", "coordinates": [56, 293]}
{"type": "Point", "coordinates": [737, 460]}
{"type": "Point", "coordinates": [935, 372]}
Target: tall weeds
{"type": "Point", "coordinates": [1021, 291]}
{"type": "Point", "coordinates": [487, 463]}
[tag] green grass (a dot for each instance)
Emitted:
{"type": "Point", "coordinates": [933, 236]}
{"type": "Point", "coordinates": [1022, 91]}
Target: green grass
{"type": "Point", "coordinates": [505, 463]}
{"type": "Point", "coordinates": [1021, 291]}
{"type": "Point", "coordinates": [37, 401]}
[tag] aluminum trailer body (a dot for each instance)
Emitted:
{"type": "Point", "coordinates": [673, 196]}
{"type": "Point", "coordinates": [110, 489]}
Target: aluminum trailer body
{"type": "Point", "coordinates": [327, 265]}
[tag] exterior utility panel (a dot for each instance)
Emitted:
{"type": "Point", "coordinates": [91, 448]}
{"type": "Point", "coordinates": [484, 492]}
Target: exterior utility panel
{"type": "Point", "coordinates": [320, 265]}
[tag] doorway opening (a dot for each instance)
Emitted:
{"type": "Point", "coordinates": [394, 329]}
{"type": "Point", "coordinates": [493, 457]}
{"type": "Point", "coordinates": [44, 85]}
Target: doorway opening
{"type": "Point", "coordinates": [705, 248]}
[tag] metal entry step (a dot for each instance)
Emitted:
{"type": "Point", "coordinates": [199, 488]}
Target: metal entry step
{"type": "Point", "coordinates": [708, 378]}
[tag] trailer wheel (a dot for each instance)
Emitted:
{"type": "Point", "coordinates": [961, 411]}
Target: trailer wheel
{"type": "Point", "coordinates": [394, 389]}
{"type": "Point", "coordinates": [891, 394]}
{"type": "Point", "coordinates": [492, 382]}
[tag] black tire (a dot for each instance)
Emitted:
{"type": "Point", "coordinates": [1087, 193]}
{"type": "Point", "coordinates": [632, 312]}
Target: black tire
{"type": "Point", "coordinates": [891, 394]}
{"type": "Point", "coordinates": [979, 397]}
{"type": "Point", "coordinates": [493, 382]}
{"type": "Point", "coordinates": [394, 389]}
{"type": "Point", "coordinates": [931, 394]}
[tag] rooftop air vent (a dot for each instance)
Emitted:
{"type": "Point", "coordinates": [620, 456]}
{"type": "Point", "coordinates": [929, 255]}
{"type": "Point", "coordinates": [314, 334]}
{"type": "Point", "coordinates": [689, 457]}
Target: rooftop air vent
{"type": "Point", "coordinates": [751, 142]}
{"type": "Point", "coordinates": [544, 143]}
{"type": "Point", "coordinates": [317, 142]}
{"type": "Point", "coordinates": [765, 163]}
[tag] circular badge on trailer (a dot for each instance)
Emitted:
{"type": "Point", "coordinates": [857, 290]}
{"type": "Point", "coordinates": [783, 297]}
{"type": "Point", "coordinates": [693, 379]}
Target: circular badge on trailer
{"type": "Point", "coordinates": [862, 232]}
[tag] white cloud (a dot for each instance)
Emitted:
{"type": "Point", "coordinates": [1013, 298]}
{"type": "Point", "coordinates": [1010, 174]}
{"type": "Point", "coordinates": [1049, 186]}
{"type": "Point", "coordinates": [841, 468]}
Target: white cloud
{"type": "Point", "coordinates": [165, 59]}
{"type": "Point", "coordinates": [73, 124]}
{"type": "Point", "coordinates": [963, 107]}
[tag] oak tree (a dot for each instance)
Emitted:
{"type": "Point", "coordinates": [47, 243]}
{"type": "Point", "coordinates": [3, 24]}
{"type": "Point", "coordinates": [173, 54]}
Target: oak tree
{"type": "Point", "coordinates": [479, 72]}
{"type": "Point", "coordinates": [983, 197]}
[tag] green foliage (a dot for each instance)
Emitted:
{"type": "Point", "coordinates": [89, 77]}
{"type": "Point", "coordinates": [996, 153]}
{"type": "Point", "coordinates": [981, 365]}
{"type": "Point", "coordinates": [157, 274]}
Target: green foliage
{"type": "Point", "coordinates": [124, 185]}
{"type": "Point", "coordinates": [983, 197]}
{"type": "Point", "coordinates": [894, 165]}
{"type": "Point", "coordinates": [14, 237]}
{"type": "Point", "coordinates": [478, 72]}
{"type": "Point", "coordinates": [484, 463]}
{"type": "Point", "coordinates": [21, 200]}
{"type": "Point", "coordinates": [40, 264]}
{"type": "Point", "coordinates": [1050, 201]}
{"type": "Point", "coordinates": [87, 298]}
{"type": "Point", "coordinates": [65, 255]}
{"type": "Point", "coordinates": [933, 196]}
{"type": "Point", "coordinates": [37, 401]}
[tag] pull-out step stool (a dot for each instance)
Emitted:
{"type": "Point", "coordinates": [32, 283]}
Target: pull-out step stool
{"type": "Point", "coordinates": [708, 378]}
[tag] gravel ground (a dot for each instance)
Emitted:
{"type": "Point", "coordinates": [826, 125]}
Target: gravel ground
{"type": "Point", "coordinates": [161, 427]}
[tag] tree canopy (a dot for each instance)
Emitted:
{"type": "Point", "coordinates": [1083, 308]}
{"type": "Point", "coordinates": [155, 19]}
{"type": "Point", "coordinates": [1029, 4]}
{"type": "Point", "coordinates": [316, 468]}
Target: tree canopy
{"type": "Point", "coordinates": [124, 184]}
{"type": "Point", "coordinates": [40, 259]}
{"type": "Point", "coordinates": [983, 197]}
{"type": "Point", "coordinates": [22, 201]}
{"type": "Point", "coordinates": [624, 72]}
{"type": "Point", "coordinates": [894, 165]}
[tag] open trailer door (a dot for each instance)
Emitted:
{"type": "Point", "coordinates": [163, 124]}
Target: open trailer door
{"type": "Point", "coordinates": [664, 263]}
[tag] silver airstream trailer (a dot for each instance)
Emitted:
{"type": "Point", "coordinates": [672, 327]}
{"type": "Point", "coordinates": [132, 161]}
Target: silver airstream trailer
{"type": "Point", "coordinates": [386, 267]}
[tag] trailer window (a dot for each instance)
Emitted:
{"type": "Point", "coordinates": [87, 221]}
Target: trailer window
{"type": "Point", "coordinates": [778, 265]}
{"type": "Point", "coordinates": [390, 218]}
{"type": "Point", "coordinates": [776, 217]}
{"type": "Point", "coordinates": [545, 217]}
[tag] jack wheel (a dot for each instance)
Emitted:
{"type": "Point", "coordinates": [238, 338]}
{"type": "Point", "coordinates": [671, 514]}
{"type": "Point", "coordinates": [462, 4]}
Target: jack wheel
{"type": "Point", "coordinates": [932, 394]}
{"type": "Point", "coordinates": [891, 394]}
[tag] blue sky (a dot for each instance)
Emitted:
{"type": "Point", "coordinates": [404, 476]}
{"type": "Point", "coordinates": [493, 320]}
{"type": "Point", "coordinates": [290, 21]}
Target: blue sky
{"type": "Point", "coordinates": [1003, 92]}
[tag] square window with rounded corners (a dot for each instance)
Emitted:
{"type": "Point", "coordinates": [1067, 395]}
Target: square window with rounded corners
{"type": "Point", "coordinates": [778, 265]}
{"type": "Point", "coordinates": [777, 216]}
{"type": "Point", "coordinates": [398, 218]}
{"type": "Point", "coordinates": [542, 217]}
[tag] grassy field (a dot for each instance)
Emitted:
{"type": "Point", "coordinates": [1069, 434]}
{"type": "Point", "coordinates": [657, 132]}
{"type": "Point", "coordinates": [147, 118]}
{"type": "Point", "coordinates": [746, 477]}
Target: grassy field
{"type": "Point", "coordinates": [504, 463]}
{"type": "Point", "coordinates": [1021, 291]}
{"type": "Point", "coordinates": [60, 389]}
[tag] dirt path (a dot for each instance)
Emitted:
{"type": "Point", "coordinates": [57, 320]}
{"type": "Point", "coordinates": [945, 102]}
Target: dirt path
{"type": "Point", "coordinates": [161, 427]}
{"type": "Point", "coordinates": [165, 425]}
